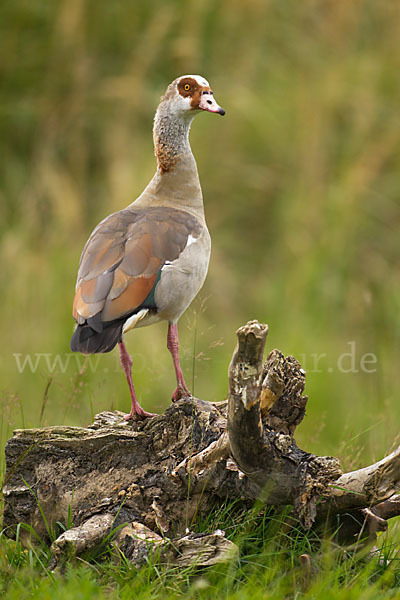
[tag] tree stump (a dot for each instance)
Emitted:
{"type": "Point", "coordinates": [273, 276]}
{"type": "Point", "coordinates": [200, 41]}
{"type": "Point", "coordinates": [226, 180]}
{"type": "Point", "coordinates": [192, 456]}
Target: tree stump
{"type": "Point", "coordinates": [146, 482]}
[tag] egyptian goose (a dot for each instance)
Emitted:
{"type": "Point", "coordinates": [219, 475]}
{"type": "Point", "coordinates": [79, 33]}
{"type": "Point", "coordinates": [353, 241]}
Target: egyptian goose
{"type": "Point", "coordinates": [148, 261]}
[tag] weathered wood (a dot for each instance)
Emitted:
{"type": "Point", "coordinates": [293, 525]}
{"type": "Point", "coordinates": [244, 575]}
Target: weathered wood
{"type": "Point", "coordinates": [157, 476]}
{"type": "Point", "coordinates": [388, 508]}
{"type": "Point", "coordinates": [78, 540]}
{"type": "Point", "coordinates": [260, 435]}
{"type": "Point", "coordinates": [138, 543]}
{"type": "Point", "coordinates": [244, 417]}
{"type": "Point", "coordinates": [368, 486]}
{"type": "Point", "coordinates": [61, 471]}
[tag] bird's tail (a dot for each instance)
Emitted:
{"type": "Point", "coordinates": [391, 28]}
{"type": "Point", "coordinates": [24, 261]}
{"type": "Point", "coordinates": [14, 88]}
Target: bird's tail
{"type": "Point", "coordinates": [89, 341]}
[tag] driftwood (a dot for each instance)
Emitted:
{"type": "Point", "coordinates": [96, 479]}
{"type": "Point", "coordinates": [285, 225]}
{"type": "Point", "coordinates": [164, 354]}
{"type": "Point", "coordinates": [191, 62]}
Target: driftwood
{"type": "Point", "coordinates": [143, 484]}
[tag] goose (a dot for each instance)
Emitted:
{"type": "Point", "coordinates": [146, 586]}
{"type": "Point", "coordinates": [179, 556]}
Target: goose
{"type": "Point", "coordinates": [147, 262]}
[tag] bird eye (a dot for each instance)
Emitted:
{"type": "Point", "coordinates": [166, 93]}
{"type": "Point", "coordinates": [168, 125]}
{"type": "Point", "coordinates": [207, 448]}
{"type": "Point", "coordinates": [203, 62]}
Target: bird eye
{"type": "Point", "coordinates": [186, 87]}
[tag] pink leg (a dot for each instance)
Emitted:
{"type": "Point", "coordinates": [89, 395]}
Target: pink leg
{"type": "Point", "coordinates": [182, 389]}
{"type": "Point", "coordinates": [126, 363]}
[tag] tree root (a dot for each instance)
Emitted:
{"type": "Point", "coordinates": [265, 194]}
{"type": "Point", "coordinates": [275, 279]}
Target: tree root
{"type": "Point", "coordinates": [143, 484]}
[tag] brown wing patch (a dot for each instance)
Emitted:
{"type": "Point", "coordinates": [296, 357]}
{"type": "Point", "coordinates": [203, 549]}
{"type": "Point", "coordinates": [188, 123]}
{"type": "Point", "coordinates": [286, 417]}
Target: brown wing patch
{"type": "Point", "coordinates": [154, 265]}
{"type": "Point", "coordinates": [95, 290]}
{"type": "Point", "coordinates": [123, 257]}
{"type": "Point", "coordinates": [78, 305]}
{"type": "Point", "coordinates": [99, 256]}
{"type": "Point", "coordinates": [87, 290]}
{"type": "Point", "coordinates": [132, 297]}
{"type": "Point", "coordinates": [120, 284]}
{"type": "Point", "coordinates": [137, 253]}
{"type": "Point", "coordinates": [84, 310]}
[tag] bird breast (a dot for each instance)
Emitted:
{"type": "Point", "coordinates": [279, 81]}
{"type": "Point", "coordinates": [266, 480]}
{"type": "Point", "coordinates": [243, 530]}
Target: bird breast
{"type": "Point", "coordinates": [182, 278]}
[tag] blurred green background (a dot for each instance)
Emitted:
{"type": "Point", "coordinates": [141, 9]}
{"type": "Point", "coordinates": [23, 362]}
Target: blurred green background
{"type": "Point", "coordinates": [301, 182]}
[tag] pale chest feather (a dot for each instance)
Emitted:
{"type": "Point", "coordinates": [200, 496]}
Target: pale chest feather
{"type": "Point", "coordinates": [182, 278]}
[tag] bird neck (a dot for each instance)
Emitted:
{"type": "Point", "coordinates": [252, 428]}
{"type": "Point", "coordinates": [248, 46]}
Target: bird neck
{"type": "Point", "coordinates": [171, 137]}
{"type": "Point", "coordinates": [176, 182]}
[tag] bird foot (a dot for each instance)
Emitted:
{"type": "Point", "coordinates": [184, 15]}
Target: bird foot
{"type": "Point", "coordinates": [138, 415]}
{"type": "Point", "coordinates": [181, 392]}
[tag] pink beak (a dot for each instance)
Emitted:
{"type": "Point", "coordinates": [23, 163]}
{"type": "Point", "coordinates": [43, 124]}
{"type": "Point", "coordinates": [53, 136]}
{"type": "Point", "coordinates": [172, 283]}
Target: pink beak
{"type": "Point", "coordinates": [207, 102]}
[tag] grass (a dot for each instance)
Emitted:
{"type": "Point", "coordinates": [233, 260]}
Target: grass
{"type": "Point", "coordinates": [301, 188]}
{"type": "Point", "coordinates": [267, 566]}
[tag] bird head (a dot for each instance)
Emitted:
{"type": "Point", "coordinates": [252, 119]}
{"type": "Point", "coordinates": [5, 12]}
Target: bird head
{"type": "Point", "coordinates": [190, 93]}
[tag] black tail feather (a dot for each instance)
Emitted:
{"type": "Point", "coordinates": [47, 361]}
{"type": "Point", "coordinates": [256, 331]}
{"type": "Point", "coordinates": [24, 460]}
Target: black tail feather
{"type": "Point", "coordinates": [89, 341]}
